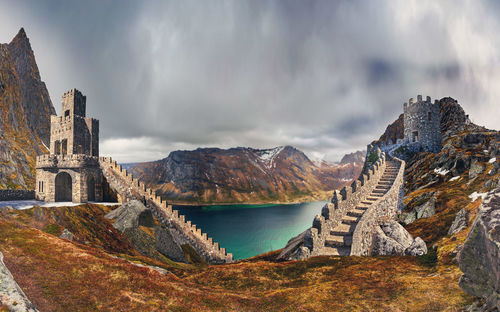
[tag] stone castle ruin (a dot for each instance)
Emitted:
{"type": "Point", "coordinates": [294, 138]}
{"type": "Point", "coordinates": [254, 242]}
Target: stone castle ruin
{"type": "Point", "coordinates": [71, 172]}
{"type": "Point", "coordinates": [74, 172]}
{"type": "Point", "coordinates": [422, 124]}
{"type": "Point", "coordinates": [351, 223]}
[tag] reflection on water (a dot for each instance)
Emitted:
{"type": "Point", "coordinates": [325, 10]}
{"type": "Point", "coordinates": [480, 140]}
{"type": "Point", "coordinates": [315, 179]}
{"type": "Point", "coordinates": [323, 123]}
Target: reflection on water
{"type": "Point", "coordinates": [249, 230]}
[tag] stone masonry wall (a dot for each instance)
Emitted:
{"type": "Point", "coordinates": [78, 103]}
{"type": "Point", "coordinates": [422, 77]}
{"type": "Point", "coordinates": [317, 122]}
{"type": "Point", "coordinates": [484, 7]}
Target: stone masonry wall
{"type": "Point", "coordinates": [422, 123]}
{"type": "Point", "coordinates": [384, 208]}
{"type": "Point", "coordinates": [81, 169]}
{"type": "Point", "coordinates": [6, 195]}
{"type": "Point", "coordinates": [342, 201]}
{"type": "Point", "coordinates": [128, 187]}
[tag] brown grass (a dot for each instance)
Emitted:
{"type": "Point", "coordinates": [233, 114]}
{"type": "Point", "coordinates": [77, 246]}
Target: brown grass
{"type": "Point", "coordinates": [59, 275]}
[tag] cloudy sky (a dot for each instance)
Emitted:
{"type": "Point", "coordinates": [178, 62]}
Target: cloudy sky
{"type": "Point", "coordinates": [324, 76]}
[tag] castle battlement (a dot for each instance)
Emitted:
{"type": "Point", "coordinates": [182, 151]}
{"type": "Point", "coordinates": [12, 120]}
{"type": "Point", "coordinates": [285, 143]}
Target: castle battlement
{"type": "Point", "coordinates": [71, 171]}
{"type": "Point", "coordinates": [422, 123]}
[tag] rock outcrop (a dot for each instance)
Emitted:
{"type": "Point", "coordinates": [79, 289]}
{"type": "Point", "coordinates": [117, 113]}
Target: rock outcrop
{"type": "Point", "coordinates": [424, 206]}
{"type": "Point", "coordinates": [11, 295]}
{"type": "Point", "coordinates": [391, 239]}
{"type": "Point", "coordinates": [246, 175]}
{"type": "Point", "coordinates": [480, 256]}
{"type": "Point", "coordinates": [25, 110]}
{"type": "Point", "coordinates": [460, 222]}
{"type": "Point", "coordinates": [136, 221]}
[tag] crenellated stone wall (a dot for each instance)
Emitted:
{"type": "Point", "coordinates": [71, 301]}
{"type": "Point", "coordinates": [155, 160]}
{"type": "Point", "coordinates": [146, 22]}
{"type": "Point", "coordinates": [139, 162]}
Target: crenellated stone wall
{"type": "Point", "coordinates": [342, 201]}
{"type": "Point", "coordinates": [184, 232]}
{"type": "Point", "coordinates": [383, 209]}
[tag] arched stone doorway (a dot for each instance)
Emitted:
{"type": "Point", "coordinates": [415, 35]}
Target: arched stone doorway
{"type": "Point", "coordinates": [90, 189]}
{"type": "Point", "coordinates": [64, 187]}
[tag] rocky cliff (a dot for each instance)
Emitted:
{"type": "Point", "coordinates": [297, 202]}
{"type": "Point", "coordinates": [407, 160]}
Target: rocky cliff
{"type": "Point", "coordinates": [25, 109]}
{"type": "Point", "coordinates": [246, 175]}
{"type": "Point", "coordinates": [480, 256]}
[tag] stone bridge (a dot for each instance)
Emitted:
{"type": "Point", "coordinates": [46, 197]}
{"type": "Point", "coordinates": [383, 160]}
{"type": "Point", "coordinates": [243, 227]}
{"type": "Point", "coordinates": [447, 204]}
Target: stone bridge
{"type": "Point", "coordinates": [128, 188]}
{"type": "Point", "coordinates": [347, 224]}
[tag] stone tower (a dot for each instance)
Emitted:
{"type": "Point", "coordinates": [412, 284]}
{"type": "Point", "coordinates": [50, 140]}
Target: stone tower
{"type": "Point", "coordinates": [71, 171]}
{"type": "Point", "coordinates": [422, 124]}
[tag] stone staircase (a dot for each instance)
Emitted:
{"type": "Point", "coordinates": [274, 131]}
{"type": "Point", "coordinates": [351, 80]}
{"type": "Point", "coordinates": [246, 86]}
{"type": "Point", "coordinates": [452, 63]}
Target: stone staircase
{"type": "Point", "coordinates": [339, 240]}
{"type": "Point", "coordinates": [128, 188]}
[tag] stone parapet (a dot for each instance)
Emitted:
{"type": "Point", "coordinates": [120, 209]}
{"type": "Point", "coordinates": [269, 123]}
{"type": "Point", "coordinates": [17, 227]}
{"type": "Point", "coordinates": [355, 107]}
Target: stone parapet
{"type": "Point", "coordinates": [129, 188]}
{"type": "Point", "coordinates": [66, 161]}
{"type": "Point", "coordinates": [342, 201]}
{"type": "Point", "coordinates": [384, 208]}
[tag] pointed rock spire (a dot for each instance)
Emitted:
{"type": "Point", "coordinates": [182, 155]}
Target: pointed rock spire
{"type": "Point", "coordinates": [20, 37]}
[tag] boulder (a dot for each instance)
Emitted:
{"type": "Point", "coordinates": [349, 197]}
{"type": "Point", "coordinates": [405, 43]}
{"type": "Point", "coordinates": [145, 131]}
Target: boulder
{"type": "Point", "coordinates": [408, 217]}
{"type": "Point", "coordinates": [475, 169]}
{"type": "Point", "coordinates": [384, 245]}
{"type": "Point", "coordinates": [66, 235]}
{"type": "Point", "coordinates": [426, 210]}
{"type": "Point", "coordinates": [460, 222]}
{"type": "Point", "coordinates": [130, 216]}
{"type": "Point", "coordinates": [426, 207]}
{"type": "Point", "coordinates": [392, 239]}
{"type": "Point", "coordinates": [479, 259]}
{"type": "Point", "coordinates": [293, 244]}
{"type": "Point", "coordinates": [11, 294]}
{"type": "Point", "coordinates": [397, 232]}
{"type": "Point", "coordinates": [417, 248]}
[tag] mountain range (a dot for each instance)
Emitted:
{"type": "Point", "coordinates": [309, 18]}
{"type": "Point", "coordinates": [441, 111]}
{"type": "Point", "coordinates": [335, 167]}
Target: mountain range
{"type": "Point", "coordinates": [213, 175]}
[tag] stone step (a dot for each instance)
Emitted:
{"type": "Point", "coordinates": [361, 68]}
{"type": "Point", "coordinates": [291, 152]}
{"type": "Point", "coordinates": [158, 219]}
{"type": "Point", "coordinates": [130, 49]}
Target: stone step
{"type": "Point", "coordinates": [388, 183]}
{"type": "Point", "coordinates": [336, 251]}
{"type": "Point", "coordinates": [355, 213]}
{"type": "Point", "coordinates": [365, 202]}
{"type": "Point", "coordinates": [387, 176]}
{"type": "Point", "coordinates": [377, 195]}
{"type": "Point", "coordinates": [350, 219]}
{"type": "Point", "coordinates": [362, 206]}
{"type": "Point", "coordinates": [338, 241]}
{"type": "Point", "coordinates": [376, 191]}
{"type": "Point", "coordinates": [342, 229]}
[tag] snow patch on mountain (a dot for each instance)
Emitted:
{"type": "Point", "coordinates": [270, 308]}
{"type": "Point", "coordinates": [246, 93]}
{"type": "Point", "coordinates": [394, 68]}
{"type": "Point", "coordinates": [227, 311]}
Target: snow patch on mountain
{"type": "Point", "coordinates": [267, 156]}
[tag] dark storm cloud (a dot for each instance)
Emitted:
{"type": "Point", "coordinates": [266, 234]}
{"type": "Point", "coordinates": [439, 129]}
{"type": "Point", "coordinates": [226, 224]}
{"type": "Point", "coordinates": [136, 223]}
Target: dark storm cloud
{"type": "Point", "coordinates": [324, 76]}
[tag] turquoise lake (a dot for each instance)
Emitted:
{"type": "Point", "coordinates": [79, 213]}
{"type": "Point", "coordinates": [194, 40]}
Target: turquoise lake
{"type": "Point", "coordinates": [249, 230]}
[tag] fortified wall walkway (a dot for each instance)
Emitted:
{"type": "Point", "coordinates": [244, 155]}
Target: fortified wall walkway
{"type": "Point", "coordinates": [347, 224]}
{"type": "Point", "coordinates": [127, 188]}
{"type": "Point", "coordinates": [340, 238]}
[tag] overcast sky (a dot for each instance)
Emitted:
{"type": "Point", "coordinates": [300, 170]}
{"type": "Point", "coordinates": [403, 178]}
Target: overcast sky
{"type": "Point", "coordinates": [324, 76]}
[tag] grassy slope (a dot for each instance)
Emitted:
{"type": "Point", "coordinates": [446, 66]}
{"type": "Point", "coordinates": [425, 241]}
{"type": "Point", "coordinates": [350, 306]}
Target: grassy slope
{"type": "Point", "coordinates": [59, 275]}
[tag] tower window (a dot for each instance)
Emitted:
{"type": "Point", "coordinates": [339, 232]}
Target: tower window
{"type": "Point", "coordinates": [64, 147]}
{"type": "Point", "coordinates": [415, 136]}
{"type": "Point", "coordinates": [66, 113]}
{"type": "Point", "coordinates": [429, 116]}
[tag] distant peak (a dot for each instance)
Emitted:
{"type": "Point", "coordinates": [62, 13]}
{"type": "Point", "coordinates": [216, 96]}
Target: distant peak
{"type": "Point", "coordinates": [21, 33]}
{"type": "Point", "coordinates": [21, 36]}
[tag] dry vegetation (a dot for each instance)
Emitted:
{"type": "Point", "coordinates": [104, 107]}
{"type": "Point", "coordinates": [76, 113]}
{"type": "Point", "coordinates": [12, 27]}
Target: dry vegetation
{"type": "Point", "coordinates": [99, 271]}
{"type": "Point", "coordinates": [60, 275]}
